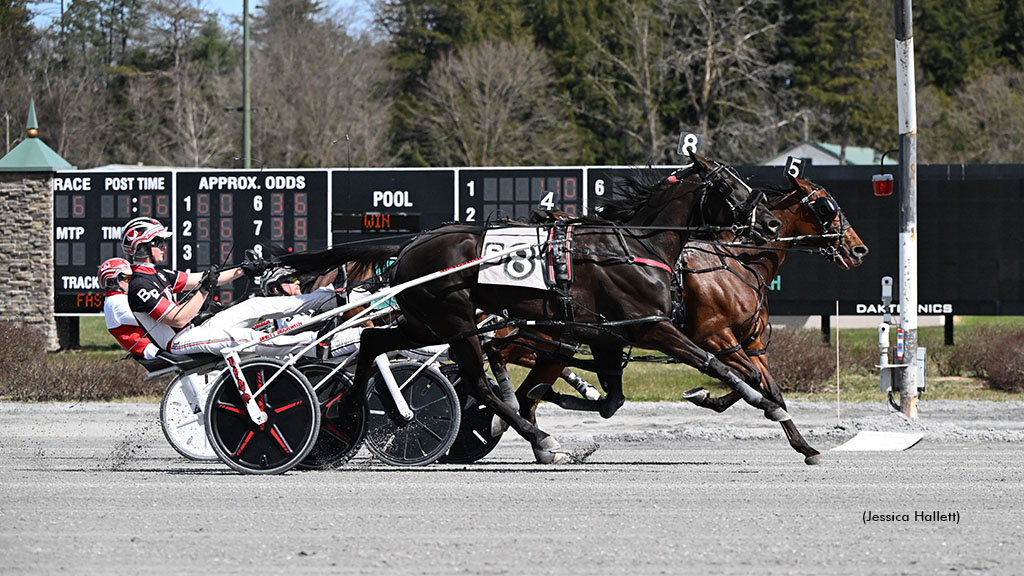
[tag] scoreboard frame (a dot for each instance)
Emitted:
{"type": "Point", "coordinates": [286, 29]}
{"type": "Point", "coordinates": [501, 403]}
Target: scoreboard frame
{"type": "Point", "coordinates": [968, 223]}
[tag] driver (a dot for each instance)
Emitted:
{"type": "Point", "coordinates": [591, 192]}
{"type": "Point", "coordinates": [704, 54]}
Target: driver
{"type": "Point", "coordinates": [153, 297]}
{"type": "Point", "coordinates": [122, 325]}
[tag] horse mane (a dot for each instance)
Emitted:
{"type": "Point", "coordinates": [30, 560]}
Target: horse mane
{"type": "Point", "coordinates": [773, 193]}
{"type": "Point", "coordinates": [365, 259]}
{"type": "Point", "coordinates": [632, 192]}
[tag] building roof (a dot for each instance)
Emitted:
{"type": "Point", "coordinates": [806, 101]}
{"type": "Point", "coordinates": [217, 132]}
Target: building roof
{"type": "Point", "coordinates": [825, 154]}
{"type": "Point", "coordinates": [32, 154]}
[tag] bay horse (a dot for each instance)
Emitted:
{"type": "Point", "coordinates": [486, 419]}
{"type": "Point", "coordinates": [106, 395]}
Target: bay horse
{"type": "Point", "coordinates": [724, 292]}
{"type": "Point", "coordinates": [620, 295]}
{"type": "Point", "coordinates": [727, 308]}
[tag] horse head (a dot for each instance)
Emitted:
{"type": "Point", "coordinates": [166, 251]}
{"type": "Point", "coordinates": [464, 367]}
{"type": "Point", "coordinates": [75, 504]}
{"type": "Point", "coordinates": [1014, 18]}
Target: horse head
{"type": "Point", "coordinates": [729, 201]}
{"type": "Point", "coordinates": [819, 222]}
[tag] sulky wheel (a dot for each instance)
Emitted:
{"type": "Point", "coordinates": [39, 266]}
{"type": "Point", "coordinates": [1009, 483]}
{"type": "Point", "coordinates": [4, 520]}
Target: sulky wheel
{"type": "Point", "coordinates": [434, 425]}
{"type": "Point", "coordinates": [474, 440]}
{"type": "Point", "coordinates": [283, 440]}
{"type": "Point", "coordinates": [341, 432]}
{"type": "Point", "coordinates": [183, 422]}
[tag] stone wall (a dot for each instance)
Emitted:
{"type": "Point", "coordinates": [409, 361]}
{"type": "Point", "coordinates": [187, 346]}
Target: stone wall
{"type": "Point", "coordinates": [26, 251]}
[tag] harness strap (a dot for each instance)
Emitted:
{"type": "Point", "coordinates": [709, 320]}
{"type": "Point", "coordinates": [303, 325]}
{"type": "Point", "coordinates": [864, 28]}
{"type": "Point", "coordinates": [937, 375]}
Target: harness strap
{"type": "Point", "coordinates": [649, 262]}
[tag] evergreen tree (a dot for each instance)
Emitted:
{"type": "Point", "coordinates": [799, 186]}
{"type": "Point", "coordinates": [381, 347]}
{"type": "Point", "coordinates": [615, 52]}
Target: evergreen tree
{"type": "Point", "coordinates": [842, 57]}
{"type": "Point", "coordinates": [1011, 40]}
{"type": "Point", "coordinates": [956, 40]}
{"type": "Point", "coordinates": [17, 36]}
{"type": "Point", "coordinates": [420, 33]}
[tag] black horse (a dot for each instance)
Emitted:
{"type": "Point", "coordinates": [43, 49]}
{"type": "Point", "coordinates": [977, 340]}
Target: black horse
{"type": "Point", "coordinates": [620, 295]}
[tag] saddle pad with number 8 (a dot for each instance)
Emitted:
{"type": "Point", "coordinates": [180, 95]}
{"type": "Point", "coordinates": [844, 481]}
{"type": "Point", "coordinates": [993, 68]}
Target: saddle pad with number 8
{"type": "Point", "coordinates": [524, 268]}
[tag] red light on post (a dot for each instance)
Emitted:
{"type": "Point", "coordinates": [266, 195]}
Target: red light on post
{"type": "Point", "coordinates": [882, 183]}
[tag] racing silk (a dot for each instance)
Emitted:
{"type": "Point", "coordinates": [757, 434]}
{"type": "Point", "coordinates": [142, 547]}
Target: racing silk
{"type": "Point", "coordinates": [123, 326]}
{"type": "Point", "coordinates": [152, 294]}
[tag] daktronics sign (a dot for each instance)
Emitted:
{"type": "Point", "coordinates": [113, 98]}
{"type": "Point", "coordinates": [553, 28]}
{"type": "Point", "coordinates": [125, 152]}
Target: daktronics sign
{"type": "Point", "coordinates": [969, 232]}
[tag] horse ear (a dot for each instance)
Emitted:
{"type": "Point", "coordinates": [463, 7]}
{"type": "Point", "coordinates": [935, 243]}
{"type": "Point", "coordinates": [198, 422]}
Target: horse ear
{"type": "Point", "coordinates": [798, 183]}
{"type": "Point", "coordinates": [699, 161]}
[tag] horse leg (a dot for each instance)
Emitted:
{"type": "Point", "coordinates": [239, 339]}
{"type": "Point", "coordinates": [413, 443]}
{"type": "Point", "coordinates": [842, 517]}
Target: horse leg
{"type": "Point", "coordinates": [608, 359]}
{"type": "Point", "coordinates": [584, 388]}
{"type": "Point", "coordinates": [668, 339]}
{"type": "Point", "coordinates": [469, 355]}
{"type": "Point", "coordinates": [796, 440]}
{"type": "Point", "coordinates": [507, 392]}
{"type": "Point", "coordinates": [736, 360]}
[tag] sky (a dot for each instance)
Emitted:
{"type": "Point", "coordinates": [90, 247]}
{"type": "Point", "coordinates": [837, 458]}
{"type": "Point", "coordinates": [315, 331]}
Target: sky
{"type": "Point", "coordinates": [359, 10]}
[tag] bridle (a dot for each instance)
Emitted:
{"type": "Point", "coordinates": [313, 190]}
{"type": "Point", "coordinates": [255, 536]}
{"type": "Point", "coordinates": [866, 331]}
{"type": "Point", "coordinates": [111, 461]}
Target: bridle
{"type": "Point", "coordinates": [720, 183]}
{"type": "Point", "coordinates": [826, 210]}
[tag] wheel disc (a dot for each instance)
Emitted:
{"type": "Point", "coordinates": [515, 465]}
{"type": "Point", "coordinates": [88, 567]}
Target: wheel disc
{"type": "Point", "coordinates": [341, 435]}
{"type": "Point", "coordinates": [474, 440]}
{"type": "Point", "coordinates": [184, 426]}
{"type": "Point", "coordinates": [435, 422]}
{"type": "Point", "coordinates": [293, 419]}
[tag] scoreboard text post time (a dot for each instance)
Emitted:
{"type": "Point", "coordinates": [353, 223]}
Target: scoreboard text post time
{"type": "Point", "coordinates": [89, 209]}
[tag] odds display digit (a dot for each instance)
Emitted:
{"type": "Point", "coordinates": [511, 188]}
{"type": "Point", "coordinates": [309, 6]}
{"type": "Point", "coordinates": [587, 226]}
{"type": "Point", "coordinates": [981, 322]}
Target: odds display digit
{"type": "Point", "coordinates": [220, 215]}
{"type": "Point", "coordinates": [89, 209]}
{"type": "Point", "coordinates": [486, 194]}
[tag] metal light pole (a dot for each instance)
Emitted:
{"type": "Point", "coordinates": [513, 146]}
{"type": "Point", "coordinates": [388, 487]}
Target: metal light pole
{"type": "Point", "coordinates": [907, 98]}
{"type": "Point", "coordinates": [246, 97]}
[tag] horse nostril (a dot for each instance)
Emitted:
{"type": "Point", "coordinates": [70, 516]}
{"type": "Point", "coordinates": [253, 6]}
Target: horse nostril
{"type": "Point", "coordinates": [774, 225]}
{"type": "Point", "coordinates": [861, 250]}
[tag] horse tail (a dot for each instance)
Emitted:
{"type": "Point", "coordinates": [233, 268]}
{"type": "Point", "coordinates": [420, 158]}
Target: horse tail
{"type": "Point", "coordinates": [364, 260]}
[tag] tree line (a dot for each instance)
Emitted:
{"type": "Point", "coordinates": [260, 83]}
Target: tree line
{"type": "Point", "coordinates": [513, 82]}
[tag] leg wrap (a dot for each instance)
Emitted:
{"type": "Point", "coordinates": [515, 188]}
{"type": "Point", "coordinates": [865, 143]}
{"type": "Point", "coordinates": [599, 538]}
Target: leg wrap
{"type": "Point", "coordinates": [749, 395]}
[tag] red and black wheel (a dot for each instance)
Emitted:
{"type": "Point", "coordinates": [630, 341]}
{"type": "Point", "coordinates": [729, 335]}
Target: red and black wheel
{"type": "Point", "coordinates": [280, 443]}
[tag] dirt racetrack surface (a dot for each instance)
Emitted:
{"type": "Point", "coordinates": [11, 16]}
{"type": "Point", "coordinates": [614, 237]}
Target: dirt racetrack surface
{"type": "Point", "coordinates": [672, 489]}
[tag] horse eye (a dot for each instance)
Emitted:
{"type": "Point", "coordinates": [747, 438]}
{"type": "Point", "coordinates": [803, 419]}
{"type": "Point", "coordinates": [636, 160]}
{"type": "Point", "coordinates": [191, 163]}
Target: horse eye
{"type": "Point", "coordinates": [826, 209]}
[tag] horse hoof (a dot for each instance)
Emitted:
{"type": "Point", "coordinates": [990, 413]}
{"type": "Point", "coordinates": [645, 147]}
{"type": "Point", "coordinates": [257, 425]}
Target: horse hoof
{"type": "Point", "coordinates": [609, 406]}
{"type": "Point", "coordinates": [553, 457]}
{"type": "Point", "coordinates": [498, 426]}
{"type": "Point", "coordinates": [777, 414]}
{"type": "Point", "coordinates": [813, 460]}
{"type": "Point", "coordinates": [546, 452]}
{"type": "Point", "coordinates": [697, 395]}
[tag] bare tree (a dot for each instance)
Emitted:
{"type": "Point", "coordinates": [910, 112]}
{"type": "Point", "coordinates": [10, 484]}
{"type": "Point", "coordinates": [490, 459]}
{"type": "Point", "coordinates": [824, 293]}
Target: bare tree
{"type": "Point", "coordinates": [74, 115]}
{"type": "Point", "coordinates": [708, 62]}
{"type": "Point", "coordinates": [493, 104]}
{"type": "Point", "coordinates": [321, 95]}
{"type": "Point", "coordinates": [723, 55]}
{"type": "Point", "coordinates": [981, 123]}
{"type": "Point", "coordinates": [629, 66]}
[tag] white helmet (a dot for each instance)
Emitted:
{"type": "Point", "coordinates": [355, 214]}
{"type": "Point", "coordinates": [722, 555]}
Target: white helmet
{"type": "Point", "coordinates": [139, 233]}
{"type": "Point", "coordinates": [112, 271]}
{"type": "Point", "coordinates": [271, 280]}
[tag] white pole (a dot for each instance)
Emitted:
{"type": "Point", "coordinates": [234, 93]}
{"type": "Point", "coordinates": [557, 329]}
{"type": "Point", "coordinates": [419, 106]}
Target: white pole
{"type": "Point", "coordinates": [839, 420]}
{"type": "Point", "coordinates": [907, 102]}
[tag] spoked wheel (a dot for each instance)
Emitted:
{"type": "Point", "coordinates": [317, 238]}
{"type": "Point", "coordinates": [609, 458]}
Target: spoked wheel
{"type": "Point", "coordinates": [284, 440]}
{"type": "Point", "coordinates": [435, 422]}
{"type": "Point", "coordinates": [184, 424]}
{"type": "Point", "coordinates": [474, 440]}
{"type": "Point", "coordinates": [341, 434]}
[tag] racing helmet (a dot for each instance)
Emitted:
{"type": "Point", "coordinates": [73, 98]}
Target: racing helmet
{"type": "Point", "coordinates": [139, 233]}
{"type": "Point", "coordinates": [112, 271]}
{"type": "Point", "coordinates": [271, 280]}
